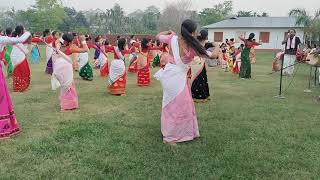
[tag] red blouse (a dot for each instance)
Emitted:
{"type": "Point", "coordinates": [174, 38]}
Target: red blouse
{"type": "Point", "coordinates": [36, 40]}
{"type": "Point", "coordinates": [49, 39]}
{"type": "Point", "coordinates": [123, 52]}
{"type": "Point", "coordinates": [249, 44]}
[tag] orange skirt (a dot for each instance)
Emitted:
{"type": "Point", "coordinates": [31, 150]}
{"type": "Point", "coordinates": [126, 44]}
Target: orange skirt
{"type": "Point", "coordinates": [21, 77]}
{"type": "Point", "coordinates": [144, 76]}
{"type": "Point", "coordinates": [119, 86]}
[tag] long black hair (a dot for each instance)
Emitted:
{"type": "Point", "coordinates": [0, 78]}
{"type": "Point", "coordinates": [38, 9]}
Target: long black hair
{"type": "Point", "coordinates": [251, 37]}
{"type": "Point", "coordinates": [187, 28]}
{"type": "Point", "coordinates": [9, 32]}
{"type": "Point", "coordinates": [208, 45]}
{"type": "Point", "coordinates": [144, 43]}
{"type": "Point", "coordinates": [46, 32]}
{"type": "Point", "coordinates": [68, 37]}
{"type": "Point", "coordinates": [121, 43]}
{"type": "Point", "coordinates": [18, 31]}
{"type": "Point", "coordinates": [203, 35]}
{"type": "Point", "coordinates": [54, 33]}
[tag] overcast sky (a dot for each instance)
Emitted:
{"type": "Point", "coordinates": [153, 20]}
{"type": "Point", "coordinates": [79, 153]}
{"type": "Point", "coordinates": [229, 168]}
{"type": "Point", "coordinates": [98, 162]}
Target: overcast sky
{"type": "Point", "coordinates": [273, 7]}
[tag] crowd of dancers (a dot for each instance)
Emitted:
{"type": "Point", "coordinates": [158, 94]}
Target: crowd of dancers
{"type": "Point", "coordinates": [181, 59]}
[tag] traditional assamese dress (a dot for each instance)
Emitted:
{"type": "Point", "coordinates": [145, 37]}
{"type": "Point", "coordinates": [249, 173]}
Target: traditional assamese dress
{"type": "Point", "coordinates": [101, 61]}
{"type": "Point", "coordinates": [143, 68]}
{"type": "Point", "coordinates": [35, 53]}
{"type": "Point", "coordinates": [49, 40]}
{"type": "Point", "coordinates": [245, 70]}
{"type": "Point", "coordinates": [21, 70]}
{"type": "Point", "coordinates": [117, 75]}
{"type": "Point", "coordinates": [8, 122]}
{"type": "Point", "coordinates": [75, 56]}
{"type": "Point", "coordinates": [237, 64]}
{"type": "Point", "coordinates": [178, 118]}
{"type": "Point", "coordinates": [199, 79]}
{"type": "Point", "coordinates": [62, 76]}
{"type": "Point", "coordinates": [156, 60]}
{"type": "Point", "coordinates": [133, 58]}
{"type": "Point", "coordinates": [85, 69]}
{"type": "Point", "coordinates": [253, 55]}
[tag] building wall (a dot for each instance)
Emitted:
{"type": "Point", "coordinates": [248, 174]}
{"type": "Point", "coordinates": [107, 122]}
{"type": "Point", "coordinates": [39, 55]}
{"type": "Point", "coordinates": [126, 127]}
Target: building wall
{"type": "Point", "coordinates": [275, 39]}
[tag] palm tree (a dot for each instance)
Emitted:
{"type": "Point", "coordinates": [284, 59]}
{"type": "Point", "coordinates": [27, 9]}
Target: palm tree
{"type": "Point", "coordinates": [310, 23]}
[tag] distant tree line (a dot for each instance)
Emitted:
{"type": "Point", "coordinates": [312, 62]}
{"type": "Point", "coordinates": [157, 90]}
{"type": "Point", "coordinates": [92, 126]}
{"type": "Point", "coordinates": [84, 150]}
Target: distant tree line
{"type": "Point", "coordinates": [51, 14]}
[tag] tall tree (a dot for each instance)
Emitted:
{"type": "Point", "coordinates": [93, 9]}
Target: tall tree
{"type": "Point", "coordinates": [173, 15]}
{"type": "Point", "coordinates": [309, 22]}
{"type": "Point", "coordinates": [74, 21]}
{"type": "Point", "coordinates": [49, 13]}
{"type": "Point", "coordinates": [8, 18]}
{"type": "Point", "coordinates": [150, 18]}
{"type": "Point", "coordinates": [217, 13]}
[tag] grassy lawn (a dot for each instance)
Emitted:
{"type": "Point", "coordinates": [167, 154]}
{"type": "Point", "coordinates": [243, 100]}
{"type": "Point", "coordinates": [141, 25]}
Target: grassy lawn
{"type": "Point", "coordinates": [245, 132]}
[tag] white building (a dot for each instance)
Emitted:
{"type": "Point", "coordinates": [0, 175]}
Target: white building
{"type": "Point", "coordinates": [270, 31]}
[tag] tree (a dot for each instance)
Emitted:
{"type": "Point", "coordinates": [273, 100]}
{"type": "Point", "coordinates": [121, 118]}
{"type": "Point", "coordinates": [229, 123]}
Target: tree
{"type": "Point", "coordinates": [74, 21]}
{"type": "Point", "coordinates": [251, 14]}
{"type": "Point", "coordinates": [48, 14]}
{"type": "Point", "coordinates": [310, 23]}
{"type": "Point", "coordinates": [245, 14]}
{"type": "Point", "coordinates": [150, 18]}
{"type": "Point", "coordinates": [215, 14]}
{"type": "Point", "coordinates": [173, 15]}
{"type": "Point", "coordinates": [9, 18]}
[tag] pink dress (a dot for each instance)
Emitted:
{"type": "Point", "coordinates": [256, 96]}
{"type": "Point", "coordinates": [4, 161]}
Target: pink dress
{"type": "Point", "coordinates": [62, 76]}
{"type": "Point", "coordinates": [8, 122]}
{"type": "Point", "coordinates": [178, 118]}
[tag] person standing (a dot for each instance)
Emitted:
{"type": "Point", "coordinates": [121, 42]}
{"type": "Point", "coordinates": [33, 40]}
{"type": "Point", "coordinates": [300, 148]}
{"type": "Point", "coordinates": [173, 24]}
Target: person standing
{"type": "Point", "coordinates": [35, 53]}
{"type": "Point", "coordinates": [48, 39]}
{"type": "Point", "coordinates": [245, 70]}
{"type": "Point", "coordinates": [178, 118]}
{"type": "Point", "coordinates": [21, 70]}
{"type": "Point", "coordinates": [117, 75]}
{"type": "Point", "coordinates": [8, 123]}
{"type": "Point", "coordinates": [253, 55]}
{"type": "Point", "coordinates": [85, 69]}
{"type": "Point", "coordinates": [291, 43]}
{"type": "Point", "coordinates": [200, 88]}
{"type": "Point", "coordinates": [62, 75]}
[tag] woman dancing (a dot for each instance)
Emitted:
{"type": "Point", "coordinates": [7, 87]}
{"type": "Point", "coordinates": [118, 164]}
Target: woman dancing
{"type": "Point", "coordinates": [85, 69]}
{"type": "Point", "coordinates": [21, 69]}
{"type": "Point", "coordinates": [117, 77]}
{"type": "Point", "coordinates": [143, 79]}
{"type": "Point", "coordinates": [178, 118]}
{"type": "Point", "coordinates": [8, 123]}
{"type": "Point", "coordinates": [63, 71]}
{"type": "Point", "coordinates": [200, 88]}
{"type": "Point", "coordinates": [245, 70]}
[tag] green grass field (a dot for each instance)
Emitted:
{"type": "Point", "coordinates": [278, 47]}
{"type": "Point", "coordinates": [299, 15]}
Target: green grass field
{"type": "Point", "coordinates": [245, 132]}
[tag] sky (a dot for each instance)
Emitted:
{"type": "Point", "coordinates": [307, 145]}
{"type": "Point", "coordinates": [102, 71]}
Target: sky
{"type": "Point", "coordinates": [272, 7]}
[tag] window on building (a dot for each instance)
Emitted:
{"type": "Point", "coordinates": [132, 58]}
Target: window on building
{"type": "Point", "coordinates": [264, 37]}
{"type": "Point", "coordinates": [218, 36]}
